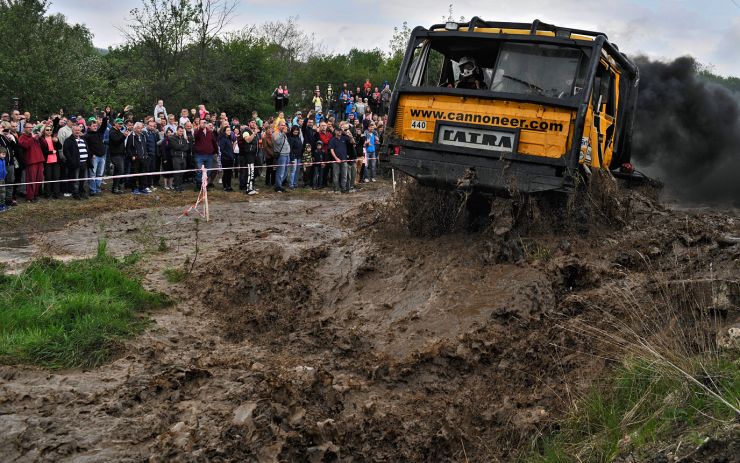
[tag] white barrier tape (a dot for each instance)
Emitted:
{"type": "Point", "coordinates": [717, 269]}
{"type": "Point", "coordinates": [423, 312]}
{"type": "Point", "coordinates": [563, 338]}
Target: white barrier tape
{"type": "Point", "coordinates": [172, 172]}
{"type": "Point", "coordinates": [202, 197]}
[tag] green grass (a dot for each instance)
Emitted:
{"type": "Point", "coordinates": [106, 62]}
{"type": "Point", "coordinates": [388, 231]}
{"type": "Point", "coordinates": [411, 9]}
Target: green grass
{"type": "Point", "coordinates": [641, 404]}
{"type": "Point", "coordinates": [174, 275]}
{"type": "Point", "coordinates": [76, 314]}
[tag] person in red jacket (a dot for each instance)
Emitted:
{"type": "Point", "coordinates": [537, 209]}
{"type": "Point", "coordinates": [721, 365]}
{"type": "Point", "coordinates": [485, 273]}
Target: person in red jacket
{"type": "Point", "coordinates": [34, 160]}
{"type": "Point", "coordinates": [205, 147]}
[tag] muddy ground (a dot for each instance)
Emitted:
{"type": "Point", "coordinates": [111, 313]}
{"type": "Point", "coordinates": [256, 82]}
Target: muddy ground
{"type": "Point", "coordinates": [315, 327]}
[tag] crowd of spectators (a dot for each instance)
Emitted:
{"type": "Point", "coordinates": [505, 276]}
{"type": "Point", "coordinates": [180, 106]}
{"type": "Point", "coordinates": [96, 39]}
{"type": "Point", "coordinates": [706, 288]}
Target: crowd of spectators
{"type": "Point", "coordinates": [334, 144]}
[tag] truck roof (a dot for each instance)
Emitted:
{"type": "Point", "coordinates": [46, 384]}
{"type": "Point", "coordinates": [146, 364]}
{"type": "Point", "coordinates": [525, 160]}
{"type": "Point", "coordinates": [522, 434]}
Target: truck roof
{"type": "Point", "coordinates": [535, 28]}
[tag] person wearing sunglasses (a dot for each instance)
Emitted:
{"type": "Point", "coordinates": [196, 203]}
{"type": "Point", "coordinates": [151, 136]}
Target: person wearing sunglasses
{"type": "Point", "coordinates": [52, 149]}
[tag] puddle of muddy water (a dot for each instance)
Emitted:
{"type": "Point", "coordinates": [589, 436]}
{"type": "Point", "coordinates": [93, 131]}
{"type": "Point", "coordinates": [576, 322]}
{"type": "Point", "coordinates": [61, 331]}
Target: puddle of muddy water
{"type": "Point", "coordinates": [15, 251]}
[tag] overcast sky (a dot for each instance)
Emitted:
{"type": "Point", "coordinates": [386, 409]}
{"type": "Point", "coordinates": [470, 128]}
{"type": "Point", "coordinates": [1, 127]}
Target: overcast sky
{"type": "Point", "coordinates": [662, 29]}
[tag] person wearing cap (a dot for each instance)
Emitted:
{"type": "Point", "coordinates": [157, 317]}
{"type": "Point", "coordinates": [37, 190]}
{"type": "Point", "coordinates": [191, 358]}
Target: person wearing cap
{"type": "Point", "coordinates": [96, 151]}
{"type": "Point", "coordinates": [34, 160]}
{"type": "Point", "coordinates": [117, 152]}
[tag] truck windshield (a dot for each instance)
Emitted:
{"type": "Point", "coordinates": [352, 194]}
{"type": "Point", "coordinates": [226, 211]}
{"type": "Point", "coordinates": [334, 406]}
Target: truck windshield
{"type": "Point", "coordinates": [534, 69]}
{"type": "Point", "coordinates": [499, 66]}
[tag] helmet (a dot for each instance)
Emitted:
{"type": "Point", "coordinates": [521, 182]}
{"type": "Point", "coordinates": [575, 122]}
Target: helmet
{"type": "Point", "coordinates": [467, 66]}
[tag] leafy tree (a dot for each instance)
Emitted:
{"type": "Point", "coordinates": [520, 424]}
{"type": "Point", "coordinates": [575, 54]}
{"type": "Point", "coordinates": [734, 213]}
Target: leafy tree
{"type": "Point", "coordinates": [47, 63]}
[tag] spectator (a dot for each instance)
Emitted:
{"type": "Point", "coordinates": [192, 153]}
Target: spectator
{"type": "Point", "coordinates": [3, 174]}
{"type": "Point", "coordinates": [9, 141]}
{"type": "Point", "coordinates": [52, 150]}
{"type": "Point", "coordinates": [179, 149]}
{"type": "Point", "coordinates": [371, 158]}
{"type": "Point", "coordinates": [325, 136]}
{"type": "Point", "coordinates": [317, 102]}
{"type": "Point", "coordinates": [296, 154]}
{"type": "Point", "coordinates": [160, 110]}
{"type": "Point", "coordinates": [268, 153]}
{"type": "Point", "coordinates": [375, 101]}
{"type": "Point", "coordinates": [281, 147]}
{"type": "Point", "coordinates": [307, 160]}
{"type": "Point", "coordinates": [360, 109]}
{"type": "Point", "coordinates": [75, 150]}
{"type": "Point", "coordinates": [318, 156]}
{"type": "Point", "coordinates": [248, 155]}
{"type": "Point", "coordinates": [355, 152]}
{"type": "Point", "coordinates": [117, 152]}
{"type": "Point", "coordinates": [385, 99]}
{"type": "Point", "coordinates": [171, 124]}
{"type": "Point", "coordinates": [34, 161]}
{"type": "Point", "coordinates": [338, 149]}
{"type": "Point", "coordinates": [205, 147]}
{"type": "Point", "coordinates": [136, 150]}
{"type": "Point", "coordinates": [226, 148]}
{"type": "Point", "coordinates": [166, 153]}
{"type": "Point", "coordinates": [257, 119]}
{"type": "Point", "coordinates": [278, 95]}
{"type": "Point", "coordinates": [184, 116]}
{"type": "Point", "coordinates": [96, 152]}
{"type": "Point", "coordinates": [152, 161]}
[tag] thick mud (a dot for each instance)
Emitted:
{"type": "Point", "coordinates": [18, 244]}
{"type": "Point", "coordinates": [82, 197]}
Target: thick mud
{"type": "Point", "coordinates": [321, 329]}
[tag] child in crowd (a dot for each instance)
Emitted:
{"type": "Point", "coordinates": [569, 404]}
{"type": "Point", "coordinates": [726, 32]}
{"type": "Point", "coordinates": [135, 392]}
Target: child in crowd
{"type": "Point", "coordinates": [317, 168]}
{"type": "Point", "coordinates": [307, 161]}
{"type": "Point", "coordinates": [3, 173]}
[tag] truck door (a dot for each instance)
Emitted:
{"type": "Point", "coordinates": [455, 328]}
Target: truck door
{"type": "Point", "coordinates": [606, 84]}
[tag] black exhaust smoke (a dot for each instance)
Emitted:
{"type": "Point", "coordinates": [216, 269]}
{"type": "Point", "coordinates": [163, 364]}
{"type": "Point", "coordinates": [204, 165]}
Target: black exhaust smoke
{"type": "Point", "coordinates": [687, 132]}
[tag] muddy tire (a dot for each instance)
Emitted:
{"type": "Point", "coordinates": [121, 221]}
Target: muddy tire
{"type": "Point", "coordinates": [581, 206]}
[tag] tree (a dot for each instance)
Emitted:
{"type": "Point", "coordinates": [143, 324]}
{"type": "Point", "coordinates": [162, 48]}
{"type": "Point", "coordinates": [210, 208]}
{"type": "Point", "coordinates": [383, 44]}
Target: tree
{"type": "Point", "coordinates": [158, 32]}
{"type": "Point", "coordinates": [48, 62]}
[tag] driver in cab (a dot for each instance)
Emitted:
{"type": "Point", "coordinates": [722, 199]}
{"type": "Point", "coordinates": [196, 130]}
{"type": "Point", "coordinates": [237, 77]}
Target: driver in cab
{"type": "Point", "coordinates": [470, 75]}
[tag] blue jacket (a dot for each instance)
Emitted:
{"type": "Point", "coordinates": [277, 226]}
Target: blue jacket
{"type": "Point", "coordinates": [151, 142]}
{"type": "Point", "coordinates": [3, 169]}
{"type": "Point", "coordinates": [226, 148]}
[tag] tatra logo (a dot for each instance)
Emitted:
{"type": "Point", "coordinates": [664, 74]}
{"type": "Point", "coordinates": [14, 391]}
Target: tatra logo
{"type": "Point", "coordinates": [477, 138]}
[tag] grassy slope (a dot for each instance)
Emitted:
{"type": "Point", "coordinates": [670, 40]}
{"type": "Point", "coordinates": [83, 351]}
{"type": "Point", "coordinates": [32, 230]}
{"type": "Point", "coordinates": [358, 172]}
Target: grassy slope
{"type": "Point", "coordinates": [644, 405]}
{"type": "Point", "coordinates": [70, 315]}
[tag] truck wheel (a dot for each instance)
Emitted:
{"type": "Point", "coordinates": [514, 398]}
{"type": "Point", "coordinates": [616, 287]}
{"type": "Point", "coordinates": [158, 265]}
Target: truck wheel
{"type": "Point", "coordinates": [581, 206]}
{"type": "Point", "coordinates": [477, 212]}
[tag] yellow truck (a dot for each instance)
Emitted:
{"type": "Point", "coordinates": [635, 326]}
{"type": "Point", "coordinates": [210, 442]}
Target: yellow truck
{"type": "Point", "coordinates": [511, 106]}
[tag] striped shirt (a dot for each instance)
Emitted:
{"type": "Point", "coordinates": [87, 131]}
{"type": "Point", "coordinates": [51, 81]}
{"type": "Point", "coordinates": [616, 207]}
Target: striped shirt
{"type": "Point", "coordinates": [82, 147]}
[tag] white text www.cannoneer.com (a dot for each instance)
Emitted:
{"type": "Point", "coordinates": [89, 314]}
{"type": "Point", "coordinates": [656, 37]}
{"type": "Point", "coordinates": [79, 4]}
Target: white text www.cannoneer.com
{"type": "Point", "coordinates": [513, 122]}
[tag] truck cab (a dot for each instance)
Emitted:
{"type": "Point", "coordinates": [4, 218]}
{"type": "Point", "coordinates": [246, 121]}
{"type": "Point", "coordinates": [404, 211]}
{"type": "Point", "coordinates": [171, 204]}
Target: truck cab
{"type": "Point", "coordinates": [510, 106]}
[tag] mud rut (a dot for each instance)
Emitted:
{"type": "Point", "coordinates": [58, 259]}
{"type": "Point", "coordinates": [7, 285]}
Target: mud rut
{"type": "Point", "coordinates": [310, 331]}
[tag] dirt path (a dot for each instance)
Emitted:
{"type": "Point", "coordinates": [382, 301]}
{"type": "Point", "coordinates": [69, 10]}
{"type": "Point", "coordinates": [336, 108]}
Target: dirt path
{"type": "Point", "coordinates": [309, 331]}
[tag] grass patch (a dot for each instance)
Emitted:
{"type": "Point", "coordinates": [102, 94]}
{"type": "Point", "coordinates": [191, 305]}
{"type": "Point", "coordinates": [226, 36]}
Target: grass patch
{"type": "Point", "coordinates": [76, 314]}
{"type": "Point", "coordinates": [174, 275]}
{"type": "Point", "coordinates": [644, 404]}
